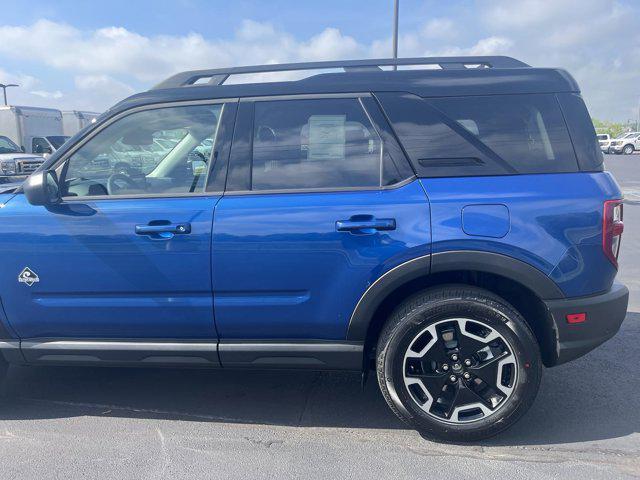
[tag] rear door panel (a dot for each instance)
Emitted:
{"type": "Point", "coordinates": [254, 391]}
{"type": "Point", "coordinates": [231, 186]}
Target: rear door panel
{"type": "Point", "coordinates": [283, 271]}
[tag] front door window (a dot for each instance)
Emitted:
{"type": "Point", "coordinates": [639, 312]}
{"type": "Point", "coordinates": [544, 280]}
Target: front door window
{"type": "Point", "coordinates": [153, 152]}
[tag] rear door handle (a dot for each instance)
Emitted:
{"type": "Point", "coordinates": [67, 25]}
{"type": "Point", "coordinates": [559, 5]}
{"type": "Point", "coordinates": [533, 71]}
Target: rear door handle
{"type": "Point", "coordinates": [163, 229]}
{"type": "Point", "coordinates": [365, 224]}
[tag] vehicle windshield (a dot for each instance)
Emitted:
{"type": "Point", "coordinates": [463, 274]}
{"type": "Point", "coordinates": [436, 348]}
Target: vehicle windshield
{"type": "Point", "coordinates": [602, 137]}
{"type": "Point", "coordinates": [627, 135]}
{"type": "Point", "coordinates": [57, 140]}
{"type": "Point", "coordinates": [7, 146]}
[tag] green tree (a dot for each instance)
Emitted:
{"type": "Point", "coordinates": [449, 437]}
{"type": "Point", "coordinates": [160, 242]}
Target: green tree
{"type": "Point", "coordinates": [614, 129]}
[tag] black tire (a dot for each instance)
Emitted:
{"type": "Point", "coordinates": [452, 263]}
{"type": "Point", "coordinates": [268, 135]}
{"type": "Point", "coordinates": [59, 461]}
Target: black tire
{"type": "Point", "coordinates": [628, 149]}
{"type": "Point", "coordinates": [432, 306]}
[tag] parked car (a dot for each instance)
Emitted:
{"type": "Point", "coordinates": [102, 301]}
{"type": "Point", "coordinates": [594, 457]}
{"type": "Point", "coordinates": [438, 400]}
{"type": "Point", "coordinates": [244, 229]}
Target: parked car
{"type": "Point", "coordinates": [627, 143]}
{"type": "Point", "coordinates": [36, 130]}
{"type": "Point", "coordinates": [604, 140]}
{"type": "Point", "coordinates": [410, 222]}
{"type": "Point", "coordinates": [14, 163]}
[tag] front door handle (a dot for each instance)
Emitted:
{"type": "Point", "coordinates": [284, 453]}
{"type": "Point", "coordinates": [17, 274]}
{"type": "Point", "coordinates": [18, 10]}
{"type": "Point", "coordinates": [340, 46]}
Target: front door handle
{"type": "Point", "coordinates": [365, 224]}
{"type": "Point", "coordinates": [163, 229]}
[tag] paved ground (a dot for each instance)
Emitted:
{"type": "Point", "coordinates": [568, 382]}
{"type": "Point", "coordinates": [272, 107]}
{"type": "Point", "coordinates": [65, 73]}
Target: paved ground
{"type": "Point", "coordinates": [125, 424]}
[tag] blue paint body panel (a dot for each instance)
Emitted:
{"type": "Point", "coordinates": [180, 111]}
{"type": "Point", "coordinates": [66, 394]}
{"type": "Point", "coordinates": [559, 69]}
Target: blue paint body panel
{"type": "Point", "coordinates": [556, 223]}
{"type": "Point", "coordinates": [486, 220]}
{"type": "Point", "coordinates": [5, 197]}
{"type": "Point", "coordinates": [98, 279]}
{"type": "Point", "coordinates": [281, 270]}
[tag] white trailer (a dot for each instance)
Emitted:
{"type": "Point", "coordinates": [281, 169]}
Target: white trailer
{"type": "Point", "coordinates": [75, 120]}
{"type": "Point", "coordinates": [32, 128]}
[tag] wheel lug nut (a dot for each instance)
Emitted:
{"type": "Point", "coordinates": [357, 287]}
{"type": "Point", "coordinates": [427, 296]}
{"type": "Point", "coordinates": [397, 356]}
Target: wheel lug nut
{"type": "Point", "coordinates": [467, 375]}
{"type": "Point", "coordinates": [445, 367]}
{"type": "Point", "coordinates": [453, 378]}
{"type": "Point", "coordinates": [467, 362]}
{"type": "Point", "coordinates": [454, 357]}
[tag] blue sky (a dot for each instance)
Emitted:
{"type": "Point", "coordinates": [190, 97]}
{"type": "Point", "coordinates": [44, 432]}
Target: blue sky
{"type": "Point", "coordinates": [87, 55]}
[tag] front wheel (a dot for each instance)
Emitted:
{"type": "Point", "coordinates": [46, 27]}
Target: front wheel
{"type": "Point", "coordinates": [628, 149]}
{"type": "Point", "coordinates": [458, 363]}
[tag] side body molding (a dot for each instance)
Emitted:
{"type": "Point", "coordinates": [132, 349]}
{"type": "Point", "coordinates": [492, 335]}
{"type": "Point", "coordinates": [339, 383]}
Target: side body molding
{"type": "Point", "coordinates": [463, 260]}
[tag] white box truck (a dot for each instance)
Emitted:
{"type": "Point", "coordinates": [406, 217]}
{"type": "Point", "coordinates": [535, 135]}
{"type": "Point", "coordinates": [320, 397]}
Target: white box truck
{"type": "Point", "coordinates": [75, 120]}
{"type": "Point", "coordinates": [34, 129]}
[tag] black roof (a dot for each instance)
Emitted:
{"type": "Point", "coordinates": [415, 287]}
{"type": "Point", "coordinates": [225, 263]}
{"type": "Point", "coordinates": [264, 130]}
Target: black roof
{"type": "Point", "coordinates": [489, 76]}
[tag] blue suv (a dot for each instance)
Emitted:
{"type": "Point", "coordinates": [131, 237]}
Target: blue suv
{"type": "Point", "coordinates": [450, 227]}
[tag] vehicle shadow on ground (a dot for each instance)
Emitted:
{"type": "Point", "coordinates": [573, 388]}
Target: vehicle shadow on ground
{"type": "Point", "coordinates": [593, 398]}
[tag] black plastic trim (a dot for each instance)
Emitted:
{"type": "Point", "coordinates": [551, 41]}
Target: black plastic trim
{"type": "Point", "coordinates": [498, 264]}
{"type": "Point", "coordinates": [463, 260]}
{"type": "Point", "coordinates": [121, 352]}
{"type": "Point", "coordinates": [379, 290]}
{"type": "Point", "coordinates": [605, 314]}
{"type": "Point", "coordinates": [288, 354]}
{"type": "Point", "coordinates": [10, 351]}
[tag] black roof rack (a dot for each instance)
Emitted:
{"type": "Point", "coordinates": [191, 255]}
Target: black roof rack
{"type": "Point", "coordinates": [218, 76]}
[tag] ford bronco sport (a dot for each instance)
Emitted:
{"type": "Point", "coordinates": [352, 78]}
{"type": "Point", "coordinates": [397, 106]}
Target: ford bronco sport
{"type": "Point", "coordinates": [451, 228]}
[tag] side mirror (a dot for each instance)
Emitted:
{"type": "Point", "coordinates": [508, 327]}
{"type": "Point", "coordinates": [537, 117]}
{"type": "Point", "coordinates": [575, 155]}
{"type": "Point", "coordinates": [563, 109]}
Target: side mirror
{"type": "Point", "coordinates": [42, 189]}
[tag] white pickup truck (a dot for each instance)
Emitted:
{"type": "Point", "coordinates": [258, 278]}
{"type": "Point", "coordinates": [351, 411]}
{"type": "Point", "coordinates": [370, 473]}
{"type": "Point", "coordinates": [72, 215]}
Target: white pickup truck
{"type": "Point", "coordinates": [627, 143]}
{"type": "Point", "coordinates": [604, 140]}
{"type": "Point", "coordinates": [14, 163]}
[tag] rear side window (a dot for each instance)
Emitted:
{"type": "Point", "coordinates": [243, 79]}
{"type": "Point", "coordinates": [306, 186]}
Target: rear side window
{"type": "Point", "coordinates": [482, 135]}
{"type": "Point", "coordinates": [317, 144]}
{"type": "Point", "coordinates": [582, 132]}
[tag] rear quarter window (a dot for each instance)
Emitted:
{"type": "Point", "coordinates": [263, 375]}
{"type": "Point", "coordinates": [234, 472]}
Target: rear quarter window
{"type": "Point", "coordinates": [482, 135]}
{"type": "Point", "coordinates": [582, 132]}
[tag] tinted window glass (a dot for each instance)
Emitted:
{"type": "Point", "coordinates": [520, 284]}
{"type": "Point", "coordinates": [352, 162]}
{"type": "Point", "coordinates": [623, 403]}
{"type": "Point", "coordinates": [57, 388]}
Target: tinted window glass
{"type": "Point", "coordinates": [581, 130]}
{"type": "Point", "coordinates": [158, 151]}
{"type": "Point", "coordinates": [320, 143]}
{"type": "Point", "coordinates": [527, 131]}
{"type": "Point", "coordinates": [7, 146]}
{"type": "Point", "coordinates": [484, 135]}
{"type": "Point", "coordinates": [40, 145]}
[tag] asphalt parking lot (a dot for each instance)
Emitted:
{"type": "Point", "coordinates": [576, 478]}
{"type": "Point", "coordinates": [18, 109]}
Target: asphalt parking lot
{"type": "Point", "coordinates": [159, 423]}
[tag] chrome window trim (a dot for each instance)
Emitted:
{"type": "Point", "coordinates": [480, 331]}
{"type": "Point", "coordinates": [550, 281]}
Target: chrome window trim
{"type": "Point", "coordinates": [322, 190]}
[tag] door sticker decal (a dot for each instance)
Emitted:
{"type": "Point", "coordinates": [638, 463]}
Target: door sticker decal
{"type": "Point", "coordinates": [28, 276]}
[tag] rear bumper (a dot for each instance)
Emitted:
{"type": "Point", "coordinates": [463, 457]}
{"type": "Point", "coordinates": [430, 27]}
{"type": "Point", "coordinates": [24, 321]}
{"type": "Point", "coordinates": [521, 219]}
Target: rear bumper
{"type": "Point", "coordinates": [604, 315]}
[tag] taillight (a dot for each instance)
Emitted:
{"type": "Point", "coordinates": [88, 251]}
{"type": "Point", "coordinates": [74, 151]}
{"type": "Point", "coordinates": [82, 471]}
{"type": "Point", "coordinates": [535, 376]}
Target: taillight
{"type": "Point", "coordinates": [612, 228]}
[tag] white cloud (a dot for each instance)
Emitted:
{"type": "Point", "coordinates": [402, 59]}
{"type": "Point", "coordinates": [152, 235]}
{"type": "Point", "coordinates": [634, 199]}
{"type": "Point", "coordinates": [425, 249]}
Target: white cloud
{"type": "Point", "coordinates": [46, 94]}
{"type": "Point", "coordinates": [440, 29]}
{"type": "Point", "coordinates": [594, 40]}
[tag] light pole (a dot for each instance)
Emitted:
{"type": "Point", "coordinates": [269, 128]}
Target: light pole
{"type": "Point", "coordinates": [396, 7]}
{"type": "Point", "coordinates": [4, 89]}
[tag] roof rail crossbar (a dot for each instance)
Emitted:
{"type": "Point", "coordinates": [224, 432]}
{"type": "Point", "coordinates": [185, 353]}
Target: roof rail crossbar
{"type": "Point", "coordinates": [218, 76]}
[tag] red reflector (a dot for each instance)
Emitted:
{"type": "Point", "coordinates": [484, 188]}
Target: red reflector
{"type": "Point", "coordinates": [576, 317]}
